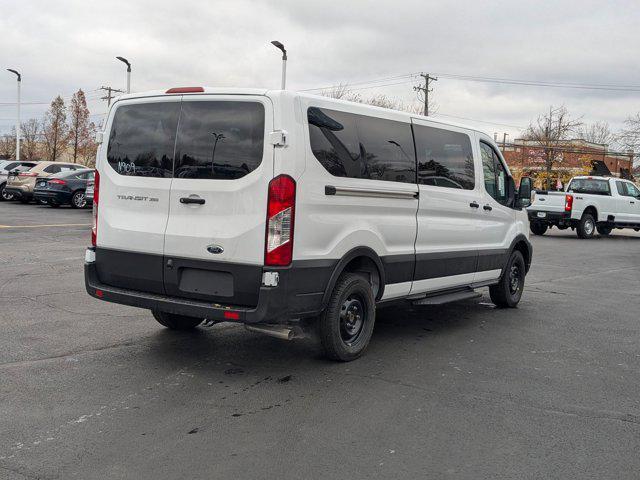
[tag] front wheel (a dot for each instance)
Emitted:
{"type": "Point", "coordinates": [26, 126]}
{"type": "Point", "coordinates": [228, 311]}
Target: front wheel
{"type": "Point", "coordinates": [586, 226]}
{"type": "Point", "coordinates": [538, 228]}
{"type": "Point", "coordinates": [176, 322]}
{"type": "Point", "coordinates": [604, 231]}
{"type": "Point", "coordinates": [507, 292]}
{"type": "Point", "coordinates": [346, 325]}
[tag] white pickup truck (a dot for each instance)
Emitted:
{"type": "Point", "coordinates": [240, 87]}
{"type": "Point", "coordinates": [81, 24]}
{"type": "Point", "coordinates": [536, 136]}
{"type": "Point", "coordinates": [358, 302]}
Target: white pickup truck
{"type": "Point", "coordinates": [589, 204]}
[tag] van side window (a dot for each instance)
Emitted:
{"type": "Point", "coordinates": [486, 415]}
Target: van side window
{"type": "Point", "coordinates": [219, 139]}
{"type": "Point", "coordinates": [445, 158]}
{"type": "Point", "coordinates": [495, 175]}
{"type": "Point", "coordinates": [360, 146]}
{"type": "Point", "coordinates": [142, 139]}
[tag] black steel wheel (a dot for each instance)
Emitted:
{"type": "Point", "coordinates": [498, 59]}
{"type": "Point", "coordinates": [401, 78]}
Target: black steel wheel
{"type": "Point", "coordinates": [346, 326]}
{"type": "Point", "coordinates": [508, 291]}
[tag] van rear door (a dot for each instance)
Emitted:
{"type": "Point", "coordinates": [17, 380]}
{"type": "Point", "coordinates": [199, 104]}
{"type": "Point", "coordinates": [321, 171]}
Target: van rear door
{"type": "Point", "coordinates": [214, 242]}
{"type": "Point", "coordinates": [135, 167]}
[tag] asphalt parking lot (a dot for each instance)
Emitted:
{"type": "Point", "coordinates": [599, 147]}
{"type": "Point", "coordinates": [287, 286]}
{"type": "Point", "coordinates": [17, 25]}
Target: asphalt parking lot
{"type": "Point", "coordinates": [92, 390]}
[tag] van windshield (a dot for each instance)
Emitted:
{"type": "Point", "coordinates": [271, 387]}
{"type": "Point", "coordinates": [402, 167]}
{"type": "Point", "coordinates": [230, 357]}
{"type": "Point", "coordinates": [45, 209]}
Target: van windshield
{"type": "Point", "coordinates": [589, 185]}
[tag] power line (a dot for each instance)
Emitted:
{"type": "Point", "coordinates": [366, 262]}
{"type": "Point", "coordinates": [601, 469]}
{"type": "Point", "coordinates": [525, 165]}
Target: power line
{"type": "Point", "coordinates": [425, 91]}
{"type": "Point", "coordinates": [109, 94]}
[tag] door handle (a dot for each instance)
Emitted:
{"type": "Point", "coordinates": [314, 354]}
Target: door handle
{"type": "Point", "coordinates": [632, 202]}
{"type": "Point", "coordinates": [488, 208]}
{"type": "Point", "coordinates": [194, 200]}
{"type": "Point", "coordinates": [474, 205]}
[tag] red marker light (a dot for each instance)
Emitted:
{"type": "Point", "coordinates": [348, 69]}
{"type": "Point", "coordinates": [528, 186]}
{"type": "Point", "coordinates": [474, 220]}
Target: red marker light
{"type": "Point", "coordinates": [99, 293]}
{"type": "Point", "coordinates": [186, 90]}
{"type": "Point", "coordinates": [232, 315]}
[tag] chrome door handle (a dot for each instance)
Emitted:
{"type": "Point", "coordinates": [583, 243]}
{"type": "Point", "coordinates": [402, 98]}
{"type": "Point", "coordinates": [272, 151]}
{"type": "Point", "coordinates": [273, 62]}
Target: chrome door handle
{"type": "Point", "coordinates": [488, 208]}
{"type": "Point", "coordinates": [474, 205]}
{"type": "Point", "coordinates": [195, 200]}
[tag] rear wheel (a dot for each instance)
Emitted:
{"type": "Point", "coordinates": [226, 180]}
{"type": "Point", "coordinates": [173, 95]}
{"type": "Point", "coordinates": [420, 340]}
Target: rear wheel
{"type": "Point", "coordinates": [346, 325]}
{"type": "Point", "coordinates": [538, 228]}
{"type": "Point", "coordinates": [604, 231]}
{"type": "Point", "coordinates": [78, 199]}
{"type": "Point", "coordinates": [586, 227]}
{"type": "Point", "coordinates": [508, 291]}
{"type": "Point", "coordinates": [176, 322]}
{"type": "Point", "coordinates": [4, 195]}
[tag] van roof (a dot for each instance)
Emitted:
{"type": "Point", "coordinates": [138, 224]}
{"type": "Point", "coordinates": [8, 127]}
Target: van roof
{"type": "Point", "coordinates": [267, 92]}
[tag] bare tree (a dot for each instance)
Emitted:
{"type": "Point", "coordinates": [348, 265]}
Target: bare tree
{"type": "Point", "coordinates": [550, 131]}
{"type": "Point", "coordinates": [55, 129]}
{"type": "Point", "coordinates": [8, 145]}
{"type": "Point", "coordinates": [597, 132]}
{"type": "Point", "coordinates": [30, 144]}
{"type": "Point", "coordinates": [629, 136]}
{"type": "Point", "coordinates": [89, 148]}
{"type": "Point", "coordinates": [79, 134]}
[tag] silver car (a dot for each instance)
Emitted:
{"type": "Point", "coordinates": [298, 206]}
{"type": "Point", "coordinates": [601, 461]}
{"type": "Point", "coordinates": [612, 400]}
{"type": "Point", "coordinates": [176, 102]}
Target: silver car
{"type": "Point", "coordinates": [5, 167]}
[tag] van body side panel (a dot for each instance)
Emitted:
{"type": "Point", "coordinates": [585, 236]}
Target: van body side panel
{"type": "Point", "coordinates": [337, 213]}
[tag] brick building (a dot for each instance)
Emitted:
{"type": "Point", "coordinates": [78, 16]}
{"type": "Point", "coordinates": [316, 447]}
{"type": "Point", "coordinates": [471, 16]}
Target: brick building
{"type": "Point", "coordinates": [572, 157]}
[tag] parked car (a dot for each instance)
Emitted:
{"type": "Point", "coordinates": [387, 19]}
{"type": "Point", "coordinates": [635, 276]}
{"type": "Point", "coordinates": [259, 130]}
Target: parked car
{"type": "Point", "coordinates": [64, 188]}
{"type": "Point", "coordinates": [284, 222]}
{"type": "Point", "coordinates": [5, 167]}
{"type": "Point", "coordinates": [590, 204]}
{"type": "Point", "coordinates": [21, 184]}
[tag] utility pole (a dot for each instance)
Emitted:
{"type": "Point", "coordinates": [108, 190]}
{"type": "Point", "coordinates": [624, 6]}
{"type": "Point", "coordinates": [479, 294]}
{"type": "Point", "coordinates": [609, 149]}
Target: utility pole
{"type": "Point", "coordinates": [110, 91]}
{"type": "Point", "coordinates": [425, 90]}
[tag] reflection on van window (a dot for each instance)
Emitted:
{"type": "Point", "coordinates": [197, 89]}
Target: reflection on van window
{"type": "Point", "coordinates": [142, 139]}
{"type": "Point", "coordinates": [445, 158]}
{"type": "Point", "coordinates": [359, 146]}
{"type": "Point", "coordinates": [219, 139]}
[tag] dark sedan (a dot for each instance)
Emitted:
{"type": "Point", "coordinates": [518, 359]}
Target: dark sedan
{"type": "Point", "coordinates": [64, 188]}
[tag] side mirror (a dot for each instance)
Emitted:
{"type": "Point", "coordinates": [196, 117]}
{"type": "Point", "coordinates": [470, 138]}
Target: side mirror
{"type": "Point", "coordinates": [524, 192]}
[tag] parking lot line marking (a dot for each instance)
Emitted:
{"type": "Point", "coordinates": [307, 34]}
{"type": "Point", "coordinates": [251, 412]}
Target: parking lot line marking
{"type": "Point", "coordinates": [52, 225]}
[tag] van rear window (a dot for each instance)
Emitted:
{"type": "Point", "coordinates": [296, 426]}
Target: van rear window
{"type": "Point", "coordinates": [219, 140]}
{"type": "Point", "coordinates": [589, 185]}
{"type": "Point", "coordinates": [142, 139]}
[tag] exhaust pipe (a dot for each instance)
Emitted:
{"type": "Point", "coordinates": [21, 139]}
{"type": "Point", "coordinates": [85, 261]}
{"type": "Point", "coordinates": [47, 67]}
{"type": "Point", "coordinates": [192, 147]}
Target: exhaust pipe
{"type": "Point", "coordinates": [277, 331]}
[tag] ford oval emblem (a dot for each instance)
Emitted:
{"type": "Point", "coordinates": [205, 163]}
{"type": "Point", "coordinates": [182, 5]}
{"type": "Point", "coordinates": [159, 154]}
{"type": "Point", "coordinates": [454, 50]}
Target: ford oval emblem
{"type": "Point", "coordinates": [215, 249]}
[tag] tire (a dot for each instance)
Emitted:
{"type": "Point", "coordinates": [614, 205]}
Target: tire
{"type": "Point", "coordinates": [176, 322]}
{"type": "Point", "coordinates": [604, 231]}
{"type": "Point", "coordinates": [24, 200]}
{"type": "Point", "coordinates": [538, 228]}
{"type": "Point", "coordinates": [508, 291]}
{"type": "Point", "coordinates": [346, 325]}
{"type": "Point", "coordinates": [41, 201]}
{"type": "Point", "coordinates": [5, 196]}
{"type": "Point", "coordinates": [586, 227]}
{"type": "Point", "coordinates": [78, 199]}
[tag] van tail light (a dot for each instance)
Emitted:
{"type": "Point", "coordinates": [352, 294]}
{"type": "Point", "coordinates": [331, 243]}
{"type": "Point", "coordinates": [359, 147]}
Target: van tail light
{"type": "Point", "coordinates": [96, 196]}
{"type": "Point", "coordinates": [280, 218]}
{"type": "Point", "coordinates": [568, 203]}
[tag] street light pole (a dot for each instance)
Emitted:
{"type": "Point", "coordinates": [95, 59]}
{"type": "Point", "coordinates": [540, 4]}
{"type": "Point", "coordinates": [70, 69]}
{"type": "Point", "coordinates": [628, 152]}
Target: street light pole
{"type": "Point", "coordinates": [125, 61]}
{"type": "Point", "coordinates": [18, 121]}
{"type": "Point", "coordinates": [280, 47]}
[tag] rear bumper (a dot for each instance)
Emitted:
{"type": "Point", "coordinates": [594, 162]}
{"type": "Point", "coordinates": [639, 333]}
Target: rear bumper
{"type": "Point", "coordinates": [18, 192]}
{"type": "Point", "coordinates": [550, 218]}
{"type": "Point", "coordinates": [58, 197]}
{"type": "Point", "coordinates": [299, 294]}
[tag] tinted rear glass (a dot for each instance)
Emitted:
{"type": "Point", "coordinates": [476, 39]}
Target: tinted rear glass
{"type": "Point", "coordinates": [589, 185]}
{"type": "Point", "coordinates": [142, 139]}
{"type": "Point", "coordinates": [219, 140]}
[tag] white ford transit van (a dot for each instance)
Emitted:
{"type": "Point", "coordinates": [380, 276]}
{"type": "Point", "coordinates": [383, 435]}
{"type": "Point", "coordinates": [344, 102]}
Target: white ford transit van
{"type": "Point", "coordinates": [286, 211]}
